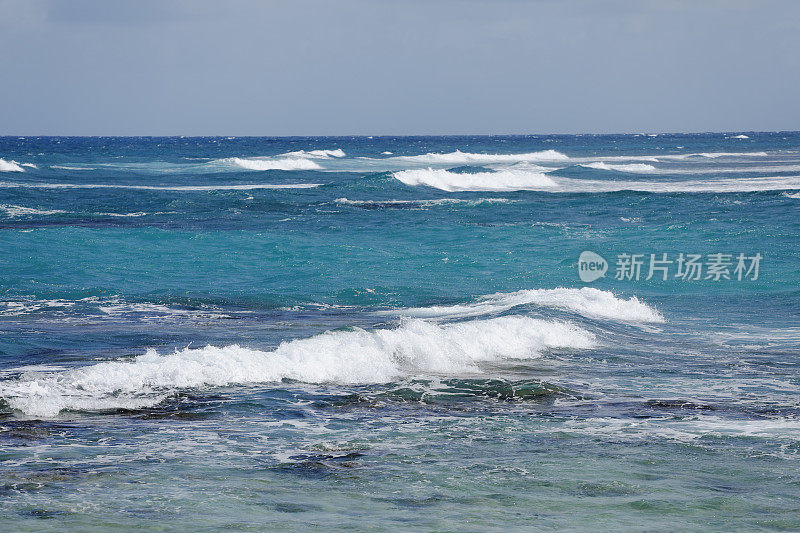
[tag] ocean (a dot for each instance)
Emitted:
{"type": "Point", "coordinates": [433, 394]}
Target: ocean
{"type": "Point", "coordinates": [489, 333]}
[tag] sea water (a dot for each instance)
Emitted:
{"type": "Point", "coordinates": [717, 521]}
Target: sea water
{"type": "Point", "coordinates": [424, 333]}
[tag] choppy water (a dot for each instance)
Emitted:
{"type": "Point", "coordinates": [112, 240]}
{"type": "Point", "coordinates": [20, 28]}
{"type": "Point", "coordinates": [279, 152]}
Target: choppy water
{"type": "Point", "coordinates": [381, 333]}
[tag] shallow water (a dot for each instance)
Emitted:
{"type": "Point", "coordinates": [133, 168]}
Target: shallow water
{"type": "Point", "coordinates": [252, 333]}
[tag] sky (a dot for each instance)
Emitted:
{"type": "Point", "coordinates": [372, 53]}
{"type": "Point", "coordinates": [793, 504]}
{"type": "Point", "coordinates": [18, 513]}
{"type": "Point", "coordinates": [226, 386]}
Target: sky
{"type": "Point", "coordinates": [403, 67]}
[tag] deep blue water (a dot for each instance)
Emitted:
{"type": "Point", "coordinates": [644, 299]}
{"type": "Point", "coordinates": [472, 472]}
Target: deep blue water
{"type": "Point", "coordinates": [391, 332]}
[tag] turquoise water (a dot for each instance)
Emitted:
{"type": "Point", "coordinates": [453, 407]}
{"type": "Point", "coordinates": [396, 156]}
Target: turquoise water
{"type": "Point", "coordinates": [382, 333]}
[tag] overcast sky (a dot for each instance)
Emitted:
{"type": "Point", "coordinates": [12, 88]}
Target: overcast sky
{"type": "Point", "coordinates": [371, 67]}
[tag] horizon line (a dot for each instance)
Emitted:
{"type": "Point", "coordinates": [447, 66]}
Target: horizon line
{"type": "Point", "coordinates": [372, 136]}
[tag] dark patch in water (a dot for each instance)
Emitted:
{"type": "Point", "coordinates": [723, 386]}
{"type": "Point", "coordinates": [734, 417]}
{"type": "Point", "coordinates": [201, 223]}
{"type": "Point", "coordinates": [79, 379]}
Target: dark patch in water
{"type": "Point", "coordinates": [42, 513]}
{"type": "Point", "coordinates": [678, 405]}
{"type": "Point", "coordinates": [31, 431]}
{"type": "Point", "coordinates": [182, 406]}
{"type": "Point", "coordinates": [319, 466]}
{"type": "Point", "coordinates": [458, 390]}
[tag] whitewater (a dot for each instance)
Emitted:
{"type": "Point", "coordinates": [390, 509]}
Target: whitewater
{"type": "Point", "coordinates": [281, 328]}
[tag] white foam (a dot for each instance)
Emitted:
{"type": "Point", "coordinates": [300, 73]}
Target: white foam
{"type": "Point", "coordinates": [795, 196]}
{"type": "Point", "coordinates": [714, 155]}
{"type": "Point", "coordinates": [738, 169]}
{"type": "Point", "coordinates": [415, 348]}
{"type": "Point", "coordinates": [10, 166]}
{"type": "Point", "coordinates": [683, 186]}
{"type": "Point", "coordinates": [466, 158]}
{"type": "Point", "coordinates": [24, 307]}
{"type": "Point", "coordinates": [60, 167]}
{"type": "Point", "coordinates": [19, 210]}
{"type": "Point", "coordinates": [422, 203]}
{"type": "Point", "coordinates": [316, 154]}
{"type": "Point", "coordinates": [655, 158]}
{"type": "Point", "coordinates": [586, 301]}
{"type": "Point", "coordinates": [517, 180]}
{"type": "Point", "coordinates": [288, 163]}
{"type": "Point", "coordinates": [631, 167]}
{"type": "Point", "coordinates": [244, 187]}
{"type": "Point", "coordinates": [122, 215]}
{"type": "Point", "coordinates": [500, 180]}
{"type": "Point", "coordinates": [738, 137]}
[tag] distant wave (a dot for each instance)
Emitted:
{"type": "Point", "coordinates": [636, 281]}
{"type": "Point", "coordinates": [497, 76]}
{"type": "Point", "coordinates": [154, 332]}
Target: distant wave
{"type": "Point", "coordinates": [243, 187]}
{"type": "Point", "coordinates": [298, 160]}
{"type": "Point", "coordinates": [10, 166]}
{"type": "Point", "coordinates": [655, 158]}
{"type": "Point", "coordinates": [730, 185]}
{"type": "Point", "coordinates": [633, 167]}
{"type": "Point", "coordinates": [60, 167]}
{"type": "Point", "coordinates": [19, 210]}
{"type": "Point", "coordinates": [316, 154]}
{"type": "Point", "coordinates": [466, 158]}
{"type": "Point", "coordinates": [289, 161]}
{"type": "Point", "coordinates": [294, 163]}
{"type": "Point", "coordinates": [586, 301]}
{"type": "Point", "coordinates": [501, 180]}
{"type": "Point", "coordinates": [736, 169]}
{"type": "Point", "coordinates": [714, 155]}
{"type": "Point", "coordinates": [510, 180]}
{"type": "Point", "coordinates": [421, 203]}
{"type": "Point", "coordinates": [94, 308]}
{"type": "Point", "coordinates": [415, 348]}
{"type": "Point", "coordinates": [727, 170]}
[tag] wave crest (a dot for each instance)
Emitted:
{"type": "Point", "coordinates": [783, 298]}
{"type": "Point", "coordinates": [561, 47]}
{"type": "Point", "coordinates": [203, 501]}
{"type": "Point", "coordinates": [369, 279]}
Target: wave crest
{"type": "Point", "coordinates": [586, 301]}
{"type": "Point", "coordinates": [288, 163]}
{"type": "Point", "coordinates": [465, 158]}
{"type": "Point", "coordinates": [631, 167]}
{"type": "Point", "coordinates": [358, 356]}
{"type": "Point", "coordinates": [10, 166]}
{"type": "Point", "coordinates": [501, 180]}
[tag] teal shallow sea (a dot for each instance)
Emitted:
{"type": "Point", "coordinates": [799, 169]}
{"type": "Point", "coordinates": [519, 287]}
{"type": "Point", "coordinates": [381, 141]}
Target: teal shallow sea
{"type": "Point", "coordinates": [391, 333]}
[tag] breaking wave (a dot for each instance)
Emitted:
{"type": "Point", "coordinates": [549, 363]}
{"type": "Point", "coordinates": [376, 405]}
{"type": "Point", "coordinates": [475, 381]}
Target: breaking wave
{"type": "Point", "coordinates": [10, 166]}
{"type": "Point", "coordinates": [466, 158]}
{"type": "Point", "coordinates": [501, 180]}
{"type": "Point", "coordinates": [414, 348]}
{"type": "Point", "coordinates": [521, 180]}
{"type": "Point", "coordinates": [632, 167]}
{"type": "Point", "coordinates": [714, 155]}
{"type": "Point", "coordinates": [316, 154]}
{"type": "Point", "coordinates": [586, 301]}
{"type": "Point", "coordinates": [289, 163]}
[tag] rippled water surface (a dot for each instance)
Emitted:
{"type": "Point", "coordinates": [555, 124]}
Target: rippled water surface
{"type": "Point", "coordinates": [383, 333]}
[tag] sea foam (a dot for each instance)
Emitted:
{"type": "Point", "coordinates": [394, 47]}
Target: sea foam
{"type": "Point", "coordinates": [10, 166]}
{"type": "Point", "coordinates": [521, 180]}
{"type": "Point", "coordinates": [586, 301]}
{"type": "Point", "coordinates": [316, 154]}
{"type": "Point", "coordinates": [20, 210]}
{"type": "Point", "coordinates": [376, 204]}
{"type": "Point", "coordinates": [500, 180]}
{"type": "Point", "coordinates": [466, 158]}
{"type": "Point", "coordinates": [414, 348]}
{"type": "Point", "coordinates": [632, 167]}
{"type": "Point", "coordinates": [286, 163]}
